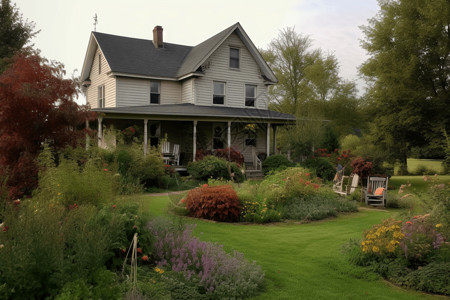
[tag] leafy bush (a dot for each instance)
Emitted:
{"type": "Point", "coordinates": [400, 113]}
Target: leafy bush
{"type": "Point", "coordinates": [275, 163]}
{"type": "Point", "coordinates": [321, 166]}
{"type": "Point", "coordinates": [148, 168]}
{"type": "Point", "coordinates": [432, 278]}
{"type": "Point", "coordinates": [229, 154]}
{"type": "Point", "coordinates": [215, 167]}
{"type": "Point", "coordinates": [219, 203]}
{"type": "Point", "coordinates": [216, 273]}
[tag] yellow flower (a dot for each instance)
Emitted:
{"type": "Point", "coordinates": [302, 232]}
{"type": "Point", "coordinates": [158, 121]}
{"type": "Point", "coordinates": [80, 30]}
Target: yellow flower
{"type": "Point", "coordinates": [365, 249]}
{"type": "Point", "coordinates": [59, 194]}
{"type": "Point", "coordinates": [438, 225]}
{"type": "Point", "coordinates": [375, 249]}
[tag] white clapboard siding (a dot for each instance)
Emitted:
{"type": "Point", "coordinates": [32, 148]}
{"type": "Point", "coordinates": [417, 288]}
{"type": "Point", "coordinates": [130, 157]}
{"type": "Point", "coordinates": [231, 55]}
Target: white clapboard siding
{"type": "Point", "coordinates": [170, 92]}
{"type": "Point", "coordinates": [132, 92]}
{"type": "Point", "coordinates": [136, 92]}
{"type": "Point", "coordinates": [188, 91]}
{"type": "Point", "coordinates": [101, 79]}
{"type": "Point", "coordinates": [235, 80]}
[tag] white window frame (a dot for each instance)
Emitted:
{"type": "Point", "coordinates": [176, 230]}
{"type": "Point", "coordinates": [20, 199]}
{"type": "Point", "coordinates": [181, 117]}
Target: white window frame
{"type": "Point", "coordinates": [155, 93]}
{"type": "Point", "coordinates": [224, 95]}
{"type": "Point", "coordinates": [101, 96]}
{"type": "Point", "coordinates": [238, 58]}
{"type": "Point", "coordinates": [250, 98]}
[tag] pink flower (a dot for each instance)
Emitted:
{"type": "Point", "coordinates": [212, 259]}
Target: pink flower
{"type": "Point", "coordinates": [106, 170]}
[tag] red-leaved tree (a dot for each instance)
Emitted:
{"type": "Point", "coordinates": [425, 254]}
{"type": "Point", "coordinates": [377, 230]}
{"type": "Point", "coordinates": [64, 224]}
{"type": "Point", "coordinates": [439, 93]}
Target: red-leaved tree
{"type": "Point", "coordinates": [36, 106]}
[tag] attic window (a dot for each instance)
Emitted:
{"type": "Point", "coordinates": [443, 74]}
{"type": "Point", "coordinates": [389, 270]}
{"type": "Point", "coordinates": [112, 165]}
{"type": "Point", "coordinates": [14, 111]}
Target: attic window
{"type": "Point", "coordinates": [234, 58]}
{"type": "Point", "coordinates": [99, 64]}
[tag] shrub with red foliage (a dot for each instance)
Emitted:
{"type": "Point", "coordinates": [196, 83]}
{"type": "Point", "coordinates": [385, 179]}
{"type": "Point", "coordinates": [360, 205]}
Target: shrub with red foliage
{"type": "Point", "coordinates": [229, 154]}
{"type": "Point", "coordinates": [218, 203]}
{"type": "Point", "coordinates": [36, 106]}
{"type": "Point", "coordinates": [361, 167]}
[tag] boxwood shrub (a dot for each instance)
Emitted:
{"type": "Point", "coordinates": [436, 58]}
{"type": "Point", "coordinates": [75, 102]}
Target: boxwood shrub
{"type": "Point", "coordinates": [276, 162]}
{"type": "Point", "coordinates": [215, 167]}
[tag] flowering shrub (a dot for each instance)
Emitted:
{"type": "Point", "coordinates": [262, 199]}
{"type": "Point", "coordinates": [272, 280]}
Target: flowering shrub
{"type": "Point", "coordinates": [361, 167]}
{"type": "Point", "coordinates": [421, 239]}
{"type": "Point", "coordinates": [259, 212]}
{"type": "Point", "coordinates": [215, 272]}
{"type": "Point", "coordinates": [219, 203]}
{"type": "Point", "coordinates": [383, 239]}
{"type": "Point", "coordinates": [335, 157]}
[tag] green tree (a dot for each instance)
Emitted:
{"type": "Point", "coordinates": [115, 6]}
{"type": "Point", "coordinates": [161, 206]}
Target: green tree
{"type": "Point", "coordinates": [309, 87]}
{"type": "Point", "coordinates": [15, 32]}
{"type": "Point", "coordinates": [409, 71]}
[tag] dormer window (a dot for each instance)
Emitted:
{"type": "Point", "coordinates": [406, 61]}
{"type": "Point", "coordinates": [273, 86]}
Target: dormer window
{"type": "Point", "coordinates": [99, 64]}
{"type": "Point", "coordinates": [155, 92]}
{"type": "Point", "coordinates": [250, 95]}
{"type": "Point", "coordinates": [234, 58]}
{"type": "Point", "coordinates": [219, 93]}
{"type": "Point", "coordinates": [101, 96]}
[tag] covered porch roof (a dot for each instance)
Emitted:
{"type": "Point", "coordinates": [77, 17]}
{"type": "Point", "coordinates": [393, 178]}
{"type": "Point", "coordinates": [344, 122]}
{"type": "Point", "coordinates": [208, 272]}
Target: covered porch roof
{"type": "Point", "coordinates": [187, 111]}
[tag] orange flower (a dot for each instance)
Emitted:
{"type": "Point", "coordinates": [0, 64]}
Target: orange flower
{"type": "Point", "coordinates": [145, 258]}
{"type": "Point", "coordinates": [123, 250]}
{"type": "Point", "coordinates": [114, 206]}
{"type": "Point", "coordinates": [308, 182]}
{"type": "Point", "coordinates": [106, 170]}
{"type": "Point", "coordinates": [301, 180]}
{"type": "Point", "coordinates": [139, 250]}
{"type": "Point", "coordinates": [205, 185]}
{"type": "Point", "coordinates": [316, 186]}
{"type": "Point", "coordinates": [182, 200]}
{"type": "Point", "coordinates": [409, 222]}
{"type": "Point", "coordinates": [307, 174]}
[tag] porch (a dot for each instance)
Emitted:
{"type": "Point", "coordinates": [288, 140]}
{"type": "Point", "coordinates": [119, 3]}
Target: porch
{"type": "Point", "coordinates": [250, 131]}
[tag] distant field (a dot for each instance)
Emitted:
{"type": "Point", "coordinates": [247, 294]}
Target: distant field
{"type": "Point", "coordinates": [433, 165]}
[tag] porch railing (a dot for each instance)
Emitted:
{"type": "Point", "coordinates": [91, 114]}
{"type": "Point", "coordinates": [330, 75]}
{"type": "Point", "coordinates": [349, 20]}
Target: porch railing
{"type": "Point", "coordinates": [256, 161]}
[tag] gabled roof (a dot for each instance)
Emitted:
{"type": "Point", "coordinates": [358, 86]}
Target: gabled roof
{"type": "Point", "coordinates": [139, 57]}
{"type": "Point", "coordinates": [187, 110]}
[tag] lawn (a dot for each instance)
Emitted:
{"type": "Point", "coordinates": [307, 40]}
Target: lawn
{"type": "Point", "coordinates": [301, 261]}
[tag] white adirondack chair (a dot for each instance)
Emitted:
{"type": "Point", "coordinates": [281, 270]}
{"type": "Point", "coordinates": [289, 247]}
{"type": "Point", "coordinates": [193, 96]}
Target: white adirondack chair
{"type": "Point", "coordinates": [349, 188]}
{"type": "Point", "coordinates": [176, 154]}
{"type": "Point", "coordinates": [165, 151]}
{"type": "Point", "coordinates": [376, 191]}
{"type": "Point", "coordinates": [338, 182]}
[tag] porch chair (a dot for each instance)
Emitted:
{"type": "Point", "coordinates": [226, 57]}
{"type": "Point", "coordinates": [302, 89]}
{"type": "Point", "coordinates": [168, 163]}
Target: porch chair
{"type": "Point", "coordinates": [375, 193]}
{"type": "Point", "coordinates": [165, 151]}
{"type": "Point", "coordinates": [349, 188]}
{"type": "Point", "coordinates": [176, 155]}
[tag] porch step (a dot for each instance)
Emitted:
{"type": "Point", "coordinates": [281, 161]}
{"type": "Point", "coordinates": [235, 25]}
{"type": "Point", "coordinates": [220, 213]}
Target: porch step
{"type": "Point", "coordinates": [254, 174]}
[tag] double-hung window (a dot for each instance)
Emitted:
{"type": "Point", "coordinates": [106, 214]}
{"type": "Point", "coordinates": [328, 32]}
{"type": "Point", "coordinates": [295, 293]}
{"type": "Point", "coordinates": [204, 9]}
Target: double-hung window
{"type": "Point", "coordinates": [219, 93]}
{"type": "Point", "coordinates": [234, 58]}
{"type": "Point", "coordinates": [250, 95]}
{"type": "Point", "coordinates": [101, 96]}
{"type": "Point", "coordinates": [155, 92]}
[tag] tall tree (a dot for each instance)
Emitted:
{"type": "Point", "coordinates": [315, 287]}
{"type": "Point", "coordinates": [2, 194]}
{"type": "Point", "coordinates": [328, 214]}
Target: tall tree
{"type": "Point", "coordinates": [409, 72]}
{"type": "Point", "coordinates": [36, 106]}
{"type": "Point", "coordinates": [309, 87]}
{"type": "Point", "coordinates": [15, 32]}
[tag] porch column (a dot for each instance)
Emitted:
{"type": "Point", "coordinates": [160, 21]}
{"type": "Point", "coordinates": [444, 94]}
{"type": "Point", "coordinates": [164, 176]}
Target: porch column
{"type": "Point", "coordinates": [268, 140]}
{"type": "Point", "coordinates": [145, 136]}
{"type": "Point", "coordinates": [88, 140]}
{"type": "Point", "coordinates": [274, 138]}
{"type": "Point", "coordinates": [194, 138]}
{"type": "Point", "coordinates": [229, 134]}
{"type": "Point", "coordinates": [100, 131]}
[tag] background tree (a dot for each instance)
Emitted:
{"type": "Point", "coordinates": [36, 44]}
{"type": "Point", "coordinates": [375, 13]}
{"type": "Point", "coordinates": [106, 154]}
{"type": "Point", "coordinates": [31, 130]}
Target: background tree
{"type": "Point", "coordinates": [15, 32]}
{"type": "Point", "coordinates": [310, 88]}
{"type": "Point", "coordinates": [36, 106]}
{"type": "Point", "coordinates": [409, 72]}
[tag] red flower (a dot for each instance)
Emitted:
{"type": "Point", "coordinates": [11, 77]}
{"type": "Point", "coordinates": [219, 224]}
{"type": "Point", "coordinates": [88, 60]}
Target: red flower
{"type": "Point", "coordinates": [205, 185]}
{"type": "Point", "coordinates": [301, 180]}
{"type": "Point", "coordinates": [145, 258]}
{"type": "Point", "coordinates": [106, 170]}
{"type": "Point", "coordinates": [338, 158]}
{"type": "Point", "coordinates": [416, 217]}
{"type": "Point", "coordinates": [5, 229]}
{"type": "Point", "coordinates": [182, 200]}
{"type": "Point", "coordinates": [328, 155]}
{"type": "Point", "coordinates": [139, 250]}
{"type": "Point", "coordinates": [336, 150]}
{"type": "Point", "coordinates": [316, 186]}
{"type": "Point", "coordinates": [313, 157]}
{"type": "Point", "coordinates": [409, 222]}
{"type": "Point", "coordinates": [308, 182]}
{"type": "Point", "coordinates": [307, 174]}
{"type": "Point", "coordinates": [123, 250]}
{"type": "Point", "coordinates": [16, 202]}
{"type": "Point", "coordinates": [114, 206]}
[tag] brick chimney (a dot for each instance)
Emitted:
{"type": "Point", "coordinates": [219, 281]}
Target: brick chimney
{"type": "Point", "coordinates": [158, 37]}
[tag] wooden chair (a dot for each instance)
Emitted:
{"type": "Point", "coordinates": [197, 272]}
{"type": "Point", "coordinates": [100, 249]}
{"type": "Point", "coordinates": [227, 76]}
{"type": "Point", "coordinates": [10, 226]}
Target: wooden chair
{"type": "Point", "coordinates": [165, 151]}
{"type": "Point", "coordinates": [176, 154]}
{"type": "Point", "coordinates": [376, 191]}
{"type": "Point", "coordinates": [338, 182]}
{"type": "Point", "coordinates": [349, 188]}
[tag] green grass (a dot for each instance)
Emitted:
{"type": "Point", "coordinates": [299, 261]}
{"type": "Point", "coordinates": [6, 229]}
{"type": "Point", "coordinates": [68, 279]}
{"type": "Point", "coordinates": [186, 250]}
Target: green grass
{"type": "Point", "coordinates": [301, 261]}
{"type": "Point", "coordinates": [432, 164]}
{"type": "Point", "coordinates": [417, 182]}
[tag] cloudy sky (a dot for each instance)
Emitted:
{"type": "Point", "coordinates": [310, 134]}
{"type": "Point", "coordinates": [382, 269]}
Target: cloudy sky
{"type": "Point", "coordinates": [333, 25]}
